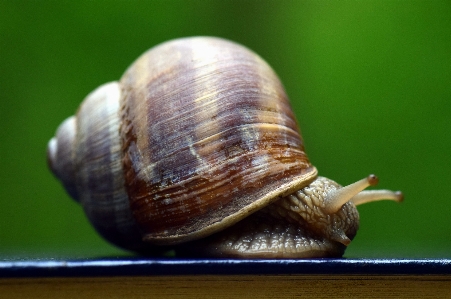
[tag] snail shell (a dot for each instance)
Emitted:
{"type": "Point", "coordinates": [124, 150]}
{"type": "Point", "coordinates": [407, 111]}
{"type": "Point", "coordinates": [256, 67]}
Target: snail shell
{"type": "Point", "coordinates": [196, 137]}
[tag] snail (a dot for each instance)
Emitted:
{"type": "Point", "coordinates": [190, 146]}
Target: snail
{"type": "Point", "coordinates": [196, 149]}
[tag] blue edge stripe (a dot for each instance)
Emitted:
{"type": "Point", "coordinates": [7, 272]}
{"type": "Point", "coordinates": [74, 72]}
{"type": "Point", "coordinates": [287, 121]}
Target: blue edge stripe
{"type": "Point", "coordinates": [147, 267]}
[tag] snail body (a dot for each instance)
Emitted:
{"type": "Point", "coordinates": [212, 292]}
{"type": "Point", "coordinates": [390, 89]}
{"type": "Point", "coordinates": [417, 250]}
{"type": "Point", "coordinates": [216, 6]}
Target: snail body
{"type": "Point", "coordinates": [196, 147]}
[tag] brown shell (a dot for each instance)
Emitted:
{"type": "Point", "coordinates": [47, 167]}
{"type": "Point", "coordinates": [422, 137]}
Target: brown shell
{"type": "Point", "coordinates": [208, 137]}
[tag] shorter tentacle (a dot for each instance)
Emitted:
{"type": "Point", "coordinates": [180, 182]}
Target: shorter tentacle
{"type": "Point", "coordinates": [337, 198]}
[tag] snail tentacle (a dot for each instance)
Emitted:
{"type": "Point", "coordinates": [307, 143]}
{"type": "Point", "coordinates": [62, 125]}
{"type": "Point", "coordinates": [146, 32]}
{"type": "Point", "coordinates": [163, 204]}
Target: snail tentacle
{"type": "Point", "coordinates": [375, 195]}
{"type": "Point", "coordinates": [335, 199]}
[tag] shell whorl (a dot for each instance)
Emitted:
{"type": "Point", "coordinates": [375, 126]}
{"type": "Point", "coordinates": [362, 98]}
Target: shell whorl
{"type": "Point", "coordinates": [208, 138]}
{"type": "Point", "coordinates": [60, 155]}
{"type": "Point", "coordinates": [86, 156]}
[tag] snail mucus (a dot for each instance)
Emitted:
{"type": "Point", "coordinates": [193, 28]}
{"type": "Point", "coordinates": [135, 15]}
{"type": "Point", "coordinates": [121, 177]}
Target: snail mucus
{"type": "Point", "coordinates": [196, 149]}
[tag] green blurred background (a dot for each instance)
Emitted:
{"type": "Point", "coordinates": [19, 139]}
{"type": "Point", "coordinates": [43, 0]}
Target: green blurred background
{"type": "Point", "coordinates": [370, 83]}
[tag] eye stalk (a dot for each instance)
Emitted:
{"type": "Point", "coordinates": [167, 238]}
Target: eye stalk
{"type": "Point", "coordinates": [335, 199]}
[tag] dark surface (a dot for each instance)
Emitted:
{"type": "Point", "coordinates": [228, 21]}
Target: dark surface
{"type": "Point", "coordinates": [140, 266]}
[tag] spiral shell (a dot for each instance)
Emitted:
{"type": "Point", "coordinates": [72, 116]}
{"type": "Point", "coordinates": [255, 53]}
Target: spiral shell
{"type": "Point", "coordinates": [198, 130]}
